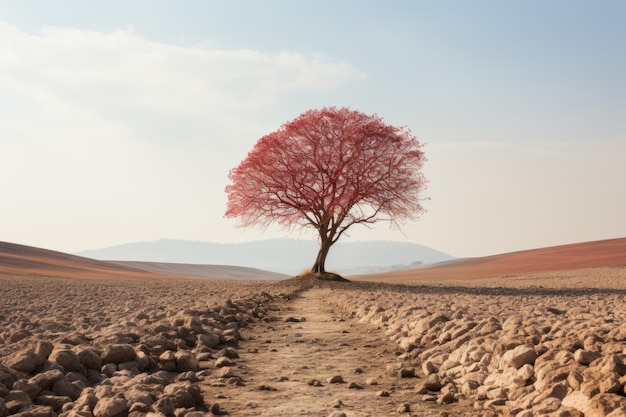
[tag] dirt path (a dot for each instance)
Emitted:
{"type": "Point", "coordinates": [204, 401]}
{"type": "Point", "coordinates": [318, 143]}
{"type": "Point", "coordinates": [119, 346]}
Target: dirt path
{"type": "Point", "coordinates": [286, 363]}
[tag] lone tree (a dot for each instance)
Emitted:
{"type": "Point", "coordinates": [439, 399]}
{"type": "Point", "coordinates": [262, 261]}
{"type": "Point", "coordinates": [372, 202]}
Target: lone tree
{"type": "Point", "coordinates": [329, 169]}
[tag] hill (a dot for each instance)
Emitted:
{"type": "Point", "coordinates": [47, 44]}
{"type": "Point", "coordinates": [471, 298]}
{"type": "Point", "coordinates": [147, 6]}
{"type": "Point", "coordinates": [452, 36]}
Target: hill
{"type": "Point", "coordinates": [18, 259]}
{"type": "Point", "coordinates": [602, 253]}
{"type": "Point", "coordinates": [287, 256]}
{"type": "Point", "coordinates": [204, 271]}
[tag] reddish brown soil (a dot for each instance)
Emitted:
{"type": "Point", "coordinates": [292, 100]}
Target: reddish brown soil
{"type": "Point", "coordinates": [602, 253]}
{"type": "Point", "coordinates": [381, 328]}
{"type": "Point", "coordinates": [27, 260]}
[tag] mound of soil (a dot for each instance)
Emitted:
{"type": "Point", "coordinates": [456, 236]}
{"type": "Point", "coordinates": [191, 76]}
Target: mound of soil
{"type": "Point", "coordinates": [315, 278]}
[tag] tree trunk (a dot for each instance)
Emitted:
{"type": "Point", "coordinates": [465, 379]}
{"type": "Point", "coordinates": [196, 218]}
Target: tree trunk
{"type": "Point", "coordinates": [320, 261]}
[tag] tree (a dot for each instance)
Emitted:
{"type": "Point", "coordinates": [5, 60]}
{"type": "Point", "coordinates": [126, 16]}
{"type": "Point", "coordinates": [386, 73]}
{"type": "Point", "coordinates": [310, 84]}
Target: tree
{"type": "Point", "coordinates": [329, 169]}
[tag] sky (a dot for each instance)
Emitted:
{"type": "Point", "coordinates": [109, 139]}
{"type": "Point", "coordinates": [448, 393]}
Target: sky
{"type": "Point", "coordinates": [120, 120]}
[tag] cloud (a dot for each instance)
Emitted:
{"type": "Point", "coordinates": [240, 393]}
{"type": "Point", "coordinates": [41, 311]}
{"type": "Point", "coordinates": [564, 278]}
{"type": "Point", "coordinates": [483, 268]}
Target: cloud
{"type": "Point", "coordinates": [122, 78]}
{"type": "Point", "coordinates": [112, 136]}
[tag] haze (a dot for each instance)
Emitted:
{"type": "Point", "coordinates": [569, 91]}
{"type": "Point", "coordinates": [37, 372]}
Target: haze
{"type": "Point", "coordinates": [120, 120]}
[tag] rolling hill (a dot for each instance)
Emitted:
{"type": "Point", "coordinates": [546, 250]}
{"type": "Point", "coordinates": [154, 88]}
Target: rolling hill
{"type": "Point", "coordinates": [601, 253]}
{"type": "Point", "coordinates": [18, 259]}
{"type": "Point", "coordinates": [204, 271]}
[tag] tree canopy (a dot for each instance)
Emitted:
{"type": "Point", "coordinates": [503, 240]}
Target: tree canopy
{"type": "Point", "coordinates": [329, 169]}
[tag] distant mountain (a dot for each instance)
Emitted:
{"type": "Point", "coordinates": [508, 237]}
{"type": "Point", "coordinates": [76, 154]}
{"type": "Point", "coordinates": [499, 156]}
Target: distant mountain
{"type": "Point", "coordinates": [286, 256]}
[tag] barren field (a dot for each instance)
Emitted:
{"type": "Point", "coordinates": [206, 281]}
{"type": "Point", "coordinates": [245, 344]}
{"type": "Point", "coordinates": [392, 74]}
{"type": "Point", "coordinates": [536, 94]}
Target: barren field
{"type": "Point", "coordinates": [545, 344]}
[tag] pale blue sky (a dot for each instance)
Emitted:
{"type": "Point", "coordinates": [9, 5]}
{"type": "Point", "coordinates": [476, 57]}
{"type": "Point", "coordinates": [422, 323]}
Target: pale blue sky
{"type": "Point", "coordinates": [119, 120]}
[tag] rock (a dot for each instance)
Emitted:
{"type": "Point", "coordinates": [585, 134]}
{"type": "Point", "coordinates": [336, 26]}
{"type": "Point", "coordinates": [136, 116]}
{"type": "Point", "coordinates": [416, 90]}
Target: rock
{"type": "Point", "coordinates": [43, 349]}
{"type": "Point", "coordinates": [354, 385]}
{"type": "Point", "coordinates": [145, 362]}
{"type": "Point", "coordinates": [505, 378]}
{"type": "Point", "coordinates": [604, 404]}
{"type": "Point", "coordinates": [335, 379]}
{"type": "Point", "coordinates": [186, 361]}
{"type": "Point", "coordinates": [25, 361]}
{"type": "Point", "coordinates": [184, 395]}
{"type": "Point", "coordinates": [215, 409]}
{"type": "Point", "coordinates": [7, 378]}
{"type": "Point", "coordinates": [575, 379]}
{"type": "Point", "coordinates": [164, 405]}
{"type": "Point", "coordinates": [65, 358]}
{"type": "Point", "coordinates": [210, 340]}
{"type": "Point", "coordinates": [143, 394]}
{"type": "Point", "coordinates": [520, 355]}
{"type": "Point", "coordinates": [109, 369]}
{"type": "Point", "coordinates": [524, 374]}
{"type": "Point", "coordinates": [547, 406]}
{"type": "Point", "coordinates": [337, 404]}
{"type": "Point", "coordinates": [16, 400]}
{"type": "Point", "coordinates": [19, 335]}
{"type": "Point", "coordinates": [432, 383]}
{"type": "Point", "coordinates": [496, 402]}
{"type": "Point", "coordinates": [139, 407]}
{"type": "Point", "coordinates": [223, 361]}
{"type": "Point", "coordinates": [229, 353]}
{"type": "Point", "coordinates": [447, 398]}
{"type": "Point", "coordinates": [45, 380]}
{"type": "Point", "coordinates": [550, 373]}
{"type": "Point", "coordinates": [406, 373]}
{"type": "Point", "coordinates": [194, 324]}
{"type": "Point", "coordinates": [87, 399]}
{"type": "Point", "coordinates": [409, 343]}
{"type": "Point", "coordinates": [229, 336]}
{"type": "Point", "coordinates": [590, 388]}
{"type": "Point", "coordinates": [29, 387]}
{"type": "Point", "coordinates": [610, 364]}
{"type": "Point", "coordinates": [225, 372]}
{"type": "Point", "coordinates": [579, 401]}
{"type": "Point", "coordinates": [110, 407]}
{"type": "Point", "coordinates": [65, 387]}
{"type": "Point", "coordinates": [404, 408]}
{"type": "Point", "coordinates": [118, 353]}
{"type": "Point", "coordinates": [88, 357]}
{"type": "Point", "coordinates": [610, 385]}
{"type": "Point", "coordinates": [585, 357]}
{"type": "Point", "coordinates": [428, 367]}
{"type": "Point", "coordinates": [167, 361]}
{"type": "Point", "coordinates": [36, 411]}
{"type": "Point", "coordinates": [54, 401]}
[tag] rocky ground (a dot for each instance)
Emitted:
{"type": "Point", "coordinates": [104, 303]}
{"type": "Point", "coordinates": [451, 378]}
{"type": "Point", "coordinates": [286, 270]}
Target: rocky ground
{"type": "Point", "coordinates": [536, 345]}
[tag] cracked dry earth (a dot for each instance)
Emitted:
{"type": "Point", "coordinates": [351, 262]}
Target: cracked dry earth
{"type": "Point", "coordinates": [307, 359]}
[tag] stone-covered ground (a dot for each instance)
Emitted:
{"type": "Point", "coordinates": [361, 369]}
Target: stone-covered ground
{"type": "Point", "coordinates": [97, 348]}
